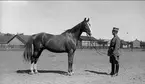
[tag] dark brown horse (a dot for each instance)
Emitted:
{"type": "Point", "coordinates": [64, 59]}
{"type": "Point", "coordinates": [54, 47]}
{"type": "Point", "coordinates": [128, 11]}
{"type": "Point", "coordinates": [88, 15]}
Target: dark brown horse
{"type": "Point", "coordinates": [65, 42]}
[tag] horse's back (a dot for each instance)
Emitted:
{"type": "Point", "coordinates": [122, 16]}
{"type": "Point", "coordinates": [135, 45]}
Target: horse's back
{"type": "Point", "coordinates": [55, 43]}
{"type": "Point", "coordinates": [40, 39]}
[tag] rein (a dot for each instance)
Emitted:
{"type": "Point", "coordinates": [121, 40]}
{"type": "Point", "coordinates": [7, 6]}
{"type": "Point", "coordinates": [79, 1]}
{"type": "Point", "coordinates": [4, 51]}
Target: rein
{"type": "Point", "coordinates": [99, 52]}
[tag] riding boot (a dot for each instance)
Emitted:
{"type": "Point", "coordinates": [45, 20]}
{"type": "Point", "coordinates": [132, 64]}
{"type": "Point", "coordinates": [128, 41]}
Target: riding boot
{"type": "Point", "coordinates": [117, 69]}
{"type": "Point", "coordinates": [112, 69]}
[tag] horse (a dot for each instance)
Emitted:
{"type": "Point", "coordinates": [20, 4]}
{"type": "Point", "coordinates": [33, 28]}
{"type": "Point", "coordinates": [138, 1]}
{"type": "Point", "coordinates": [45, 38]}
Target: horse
{"type": "Point", "coordinates": [65, 42]}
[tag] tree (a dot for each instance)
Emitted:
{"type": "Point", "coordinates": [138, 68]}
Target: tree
{"type": "Point", "coordinates": [142, 44]}
{"type": "Point", "coordinates": [8, 34]}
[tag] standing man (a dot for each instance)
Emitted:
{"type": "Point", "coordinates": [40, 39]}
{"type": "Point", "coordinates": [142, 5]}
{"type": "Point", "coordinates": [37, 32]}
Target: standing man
{"type": "Point", "coordinates": [114, 53]}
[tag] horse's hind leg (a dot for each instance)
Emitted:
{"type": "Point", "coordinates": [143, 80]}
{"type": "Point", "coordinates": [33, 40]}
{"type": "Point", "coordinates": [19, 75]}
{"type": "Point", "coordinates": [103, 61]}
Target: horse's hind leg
{"type": "Point", "coordinates": [36, 57]}
{"type": "Point", "coordinates": [35, 65]}
{"type": "Point", "coordinates": [32, 65]}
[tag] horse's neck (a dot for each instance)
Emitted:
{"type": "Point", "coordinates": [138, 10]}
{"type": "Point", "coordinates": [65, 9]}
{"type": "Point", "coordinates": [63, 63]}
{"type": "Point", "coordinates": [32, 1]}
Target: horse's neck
{"type": "Point", "coordinates": [75, 31]}
{"type": "Point", "coordinates": [77, 34]}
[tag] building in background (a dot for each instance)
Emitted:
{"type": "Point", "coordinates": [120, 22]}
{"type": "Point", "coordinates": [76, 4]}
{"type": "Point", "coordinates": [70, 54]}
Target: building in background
{"type": "Point", "coordinates": [87, 42]}
{"type": "Point", "coordinates": [8, 41]}
{"type": "Point", "coordinates": [18, 41]}
{"type": "Point", "coordinates": [4, 40]}
{"type": "Point", "coordinates": [136, 44]}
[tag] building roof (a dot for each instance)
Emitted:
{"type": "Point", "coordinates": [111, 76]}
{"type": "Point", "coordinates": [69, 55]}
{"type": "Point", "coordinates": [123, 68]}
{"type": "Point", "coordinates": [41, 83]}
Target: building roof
{"type": "Point", "coordinates": [4, 39]}
{"type": "Point", "coordinates": [23, 38]}
{"type": "Point", "coordinates": [86, 38]}
{"type": "Point", "coordinates": [136, 40]}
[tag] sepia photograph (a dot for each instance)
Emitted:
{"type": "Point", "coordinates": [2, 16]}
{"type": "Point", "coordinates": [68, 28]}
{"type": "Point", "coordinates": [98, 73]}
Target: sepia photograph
{"type": "Point", "coordinates": [72, 42]}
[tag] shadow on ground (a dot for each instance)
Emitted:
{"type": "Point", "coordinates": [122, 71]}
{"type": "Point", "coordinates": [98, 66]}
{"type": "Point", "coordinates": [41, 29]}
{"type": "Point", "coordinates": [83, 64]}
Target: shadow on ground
{"type": "Point", "coordinates": [96, 72]}
{"type": "Point", "coordinates": [42, 71]}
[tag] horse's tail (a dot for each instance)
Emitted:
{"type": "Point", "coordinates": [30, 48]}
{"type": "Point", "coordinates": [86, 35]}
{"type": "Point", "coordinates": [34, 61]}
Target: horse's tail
{"type": "Point", "coordinates": [28, 52]}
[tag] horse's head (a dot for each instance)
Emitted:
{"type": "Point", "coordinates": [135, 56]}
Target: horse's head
{"type": "Point", "coordinates": [86, 26]}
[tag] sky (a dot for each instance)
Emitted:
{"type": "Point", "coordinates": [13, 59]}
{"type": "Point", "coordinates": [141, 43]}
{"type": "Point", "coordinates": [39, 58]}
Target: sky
{"type": "Point", "coordinates": [30, 17]}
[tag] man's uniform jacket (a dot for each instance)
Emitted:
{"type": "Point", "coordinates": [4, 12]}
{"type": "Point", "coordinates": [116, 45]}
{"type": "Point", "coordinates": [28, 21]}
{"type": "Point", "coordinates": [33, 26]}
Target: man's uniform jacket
{"type": "Point", "coordinates": [114, 49]}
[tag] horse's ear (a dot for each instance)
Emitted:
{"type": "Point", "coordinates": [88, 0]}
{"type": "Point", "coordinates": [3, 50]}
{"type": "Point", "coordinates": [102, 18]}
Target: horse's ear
{"type": "Point", "coordinates": [88, 19]}
{"type": "Point", "coordinates": [85, 19]}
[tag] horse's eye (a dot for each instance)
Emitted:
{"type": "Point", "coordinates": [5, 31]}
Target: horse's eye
{"type": "Point", "coordinates": [88, 24]}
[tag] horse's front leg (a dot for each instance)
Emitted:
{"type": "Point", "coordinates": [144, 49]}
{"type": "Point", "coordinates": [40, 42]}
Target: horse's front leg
{"type": "Point", "coordinates": [70, 62]}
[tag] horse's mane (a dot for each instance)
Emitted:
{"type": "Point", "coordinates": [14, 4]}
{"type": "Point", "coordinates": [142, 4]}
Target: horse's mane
{"type": "Point", "coordinates": [74, 29]}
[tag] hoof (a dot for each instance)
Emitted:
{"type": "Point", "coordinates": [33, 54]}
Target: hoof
{"type": "Point", "coordinates": [116, 74]}
{"type": "Point", "coordinates": [31, 73]}
{"type": "Point", "coordinates": [70, 73]}
{"type": "Point", "coordinates": [112, 75]}
{"type": "Point", "coordinates": [36, 72]}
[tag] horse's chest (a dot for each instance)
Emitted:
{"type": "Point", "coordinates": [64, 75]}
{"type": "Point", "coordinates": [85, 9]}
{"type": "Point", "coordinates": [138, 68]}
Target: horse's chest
{"type": "Point", "coordinates": [71, 44]}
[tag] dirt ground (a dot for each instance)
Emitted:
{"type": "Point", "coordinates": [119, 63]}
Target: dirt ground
{"type": "Point", "coordinates": [89, 68]}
